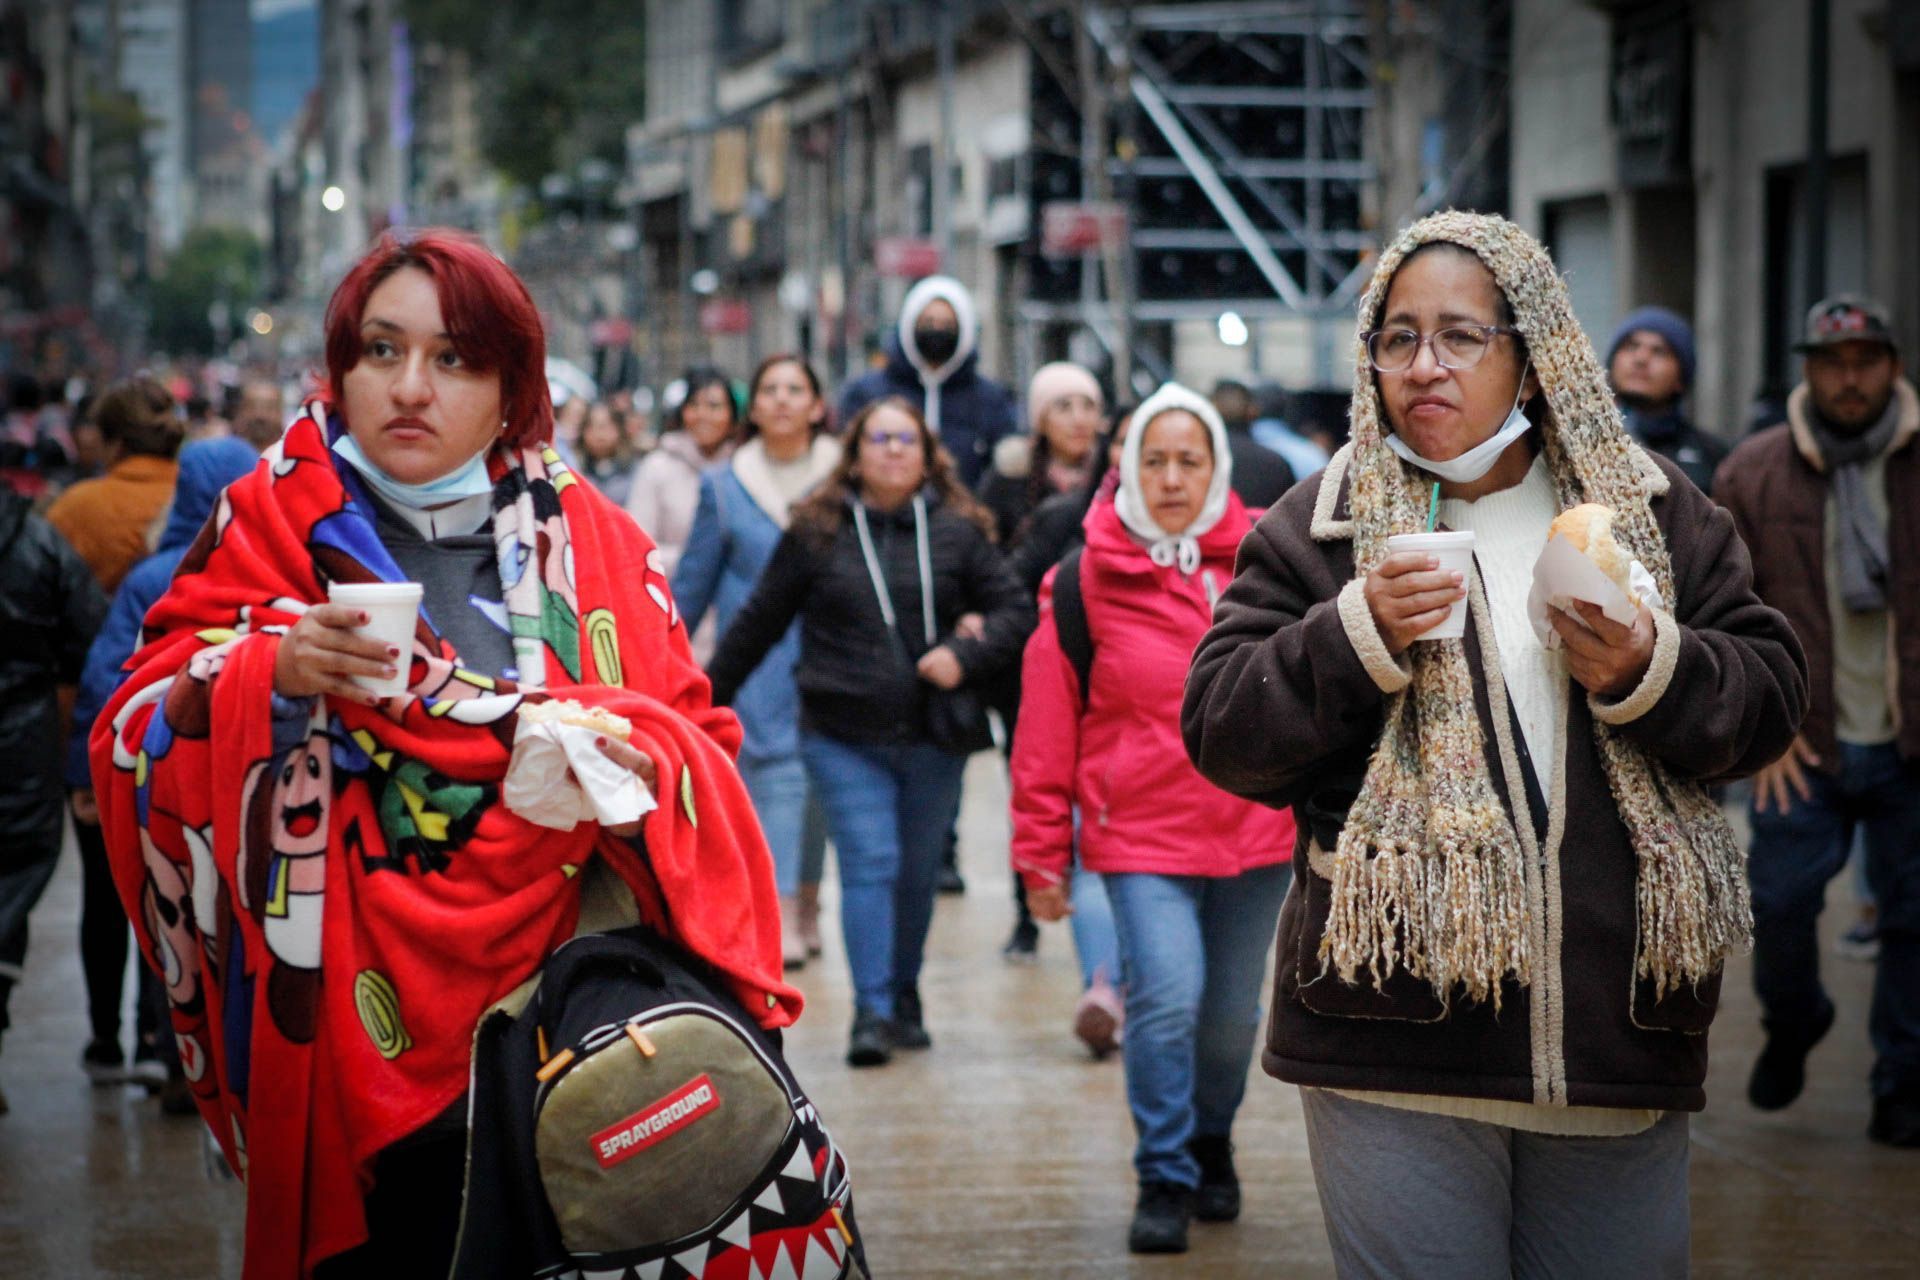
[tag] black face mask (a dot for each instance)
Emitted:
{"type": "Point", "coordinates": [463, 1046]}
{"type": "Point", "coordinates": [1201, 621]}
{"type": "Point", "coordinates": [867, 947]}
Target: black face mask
{"type": "Point", "coordinates": [936, 344]}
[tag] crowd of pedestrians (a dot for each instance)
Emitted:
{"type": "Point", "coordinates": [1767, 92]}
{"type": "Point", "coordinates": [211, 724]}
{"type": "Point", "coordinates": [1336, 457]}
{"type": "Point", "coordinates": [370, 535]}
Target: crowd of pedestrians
{"type": "Point", "coordinates": [1496, 867]}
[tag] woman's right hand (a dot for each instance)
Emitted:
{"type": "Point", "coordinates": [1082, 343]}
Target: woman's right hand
{"type": "Point", "coordinates": [321, 655]}
{"type": "Point", "coordinates": [1049, 904]}
{"type": "Point", "coordinates": [1408, 596]}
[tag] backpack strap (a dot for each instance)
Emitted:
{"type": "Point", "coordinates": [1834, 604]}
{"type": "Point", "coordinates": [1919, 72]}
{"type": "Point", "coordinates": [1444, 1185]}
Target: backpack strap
{"type": "Point", "coordinates": [1070, 619]}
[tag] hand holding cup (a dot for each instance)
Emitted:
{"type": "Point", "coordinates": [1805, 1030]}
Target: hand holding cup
{"type": "Point", "coordinates": [1409, 594]}
{"type": "Point", "coordinates": [325, 653]}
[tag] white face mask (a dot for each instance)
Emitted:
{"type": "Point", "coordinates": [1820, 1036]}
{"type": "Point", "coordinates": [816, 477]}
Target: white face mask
{"type": "Point", "coordinates": [1479, 460]}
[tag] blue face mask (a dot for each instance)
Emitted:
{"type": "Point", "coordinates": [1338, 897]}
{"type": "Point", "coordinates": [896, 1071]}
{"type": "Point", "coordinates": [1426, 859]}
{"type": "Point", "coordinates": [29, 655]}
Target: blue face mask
{"type": "Point", "coordinates": [464, 481]}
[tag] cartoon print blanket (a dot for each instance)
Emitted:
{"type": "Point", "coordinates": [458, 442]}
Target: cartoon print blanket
{"type": "Point", "coordinates": [334, 893]}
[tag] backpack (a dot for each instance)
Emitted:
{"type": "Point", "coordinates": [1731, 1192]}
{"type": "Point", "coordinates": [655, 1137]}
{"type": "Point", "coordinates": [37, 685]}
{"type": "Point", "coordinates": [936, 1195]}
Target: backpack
{"type": "Point", "coordinates": [1070, 619]}
{"type": "Point", "coordinates": [634, 1121]}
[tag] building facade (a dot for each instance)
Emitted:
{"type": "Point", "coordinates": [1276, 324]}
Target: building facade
{"type": "Point", "coordinates": [1661, 151]}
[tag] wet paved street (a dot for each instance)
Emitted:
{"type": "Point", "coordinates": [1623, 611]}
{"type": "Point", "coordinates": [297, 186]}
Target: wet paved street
{"type": "Point", "coordinates": [1003, 1152]}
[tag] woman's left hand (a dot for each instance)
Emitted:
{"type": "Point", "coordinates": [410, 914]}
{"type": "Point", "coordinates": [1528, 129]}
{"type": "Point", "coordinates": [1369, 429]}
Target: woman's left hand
{"type": "Point", "coordinates": [939, 668]}
{"type": "Point", "coordinates": [628, 756]}
{"type": "Point", "coordinates": [1607, 658]}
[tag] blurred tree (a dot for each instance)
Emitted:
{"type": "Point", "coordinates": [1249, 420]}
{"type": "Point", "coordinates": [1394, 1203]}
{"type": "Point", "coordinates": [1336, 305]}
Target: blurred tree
{"type": "Point", "coordinates": [563, 81]}
{"type": "Point", "coordinates": [214, 268]}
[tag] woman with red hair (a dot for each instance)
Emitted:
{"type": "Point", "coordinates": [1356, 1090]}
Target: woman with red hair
{"type": "Point", "coordinates": [337, 884]}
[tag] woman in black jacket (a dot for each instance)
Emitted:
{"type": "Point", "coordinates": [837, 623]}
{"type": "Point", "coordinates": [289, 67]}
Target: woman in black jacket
{"type": "Point", "coordinates": [881, 564]}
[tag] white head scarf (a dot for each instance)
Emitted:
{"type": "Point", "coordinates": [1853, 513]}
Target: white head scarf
{"type": "Point", "coordinates": [1167, 549]}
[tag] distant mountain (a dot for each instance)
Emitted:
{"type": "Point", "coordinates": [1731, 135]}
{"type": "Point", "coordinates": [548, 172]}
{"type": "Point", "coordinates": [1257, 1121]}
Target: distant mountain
{"type": "Point", "coordinates": [286, 62]}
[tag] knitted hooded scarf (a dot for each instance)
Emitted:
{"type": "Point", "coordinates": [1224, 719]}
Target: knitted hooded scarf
{"type": "Point", "coordinates": [1430, 872]}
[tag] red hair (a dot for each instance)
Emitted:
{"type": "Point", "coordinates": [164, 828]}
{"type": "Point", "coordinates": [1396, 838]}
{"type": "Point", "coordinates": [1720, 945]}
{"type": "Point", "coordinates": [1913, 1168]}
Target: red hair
{"type": "Point", "coordinates": [488, 312]}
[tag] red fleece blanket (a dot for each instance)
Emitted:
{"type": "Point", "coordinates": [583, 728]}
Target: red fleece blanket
{"type": "Point", "coordinates": [333, 893]}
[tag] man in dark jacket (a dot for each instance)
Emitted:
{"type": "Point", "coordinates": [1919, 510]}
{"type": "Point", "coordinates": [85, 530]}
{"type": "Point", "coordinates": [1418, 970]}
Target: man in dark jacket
{"type": "Point", "coordinates": [933, 364]}
{"type": "Point", "coordinates": [1829, 503]}
{"type": "Point", "coordinates": [1260, 476]}
{"type": "Point", "coordinates": [1650, 364]}
{"type": "Point", "coordinates": [50, 608]}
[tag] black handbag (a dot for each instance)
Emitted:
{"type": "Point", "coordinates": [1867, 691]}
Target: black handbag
{"type": "Point", "coordinates": [954, 720]}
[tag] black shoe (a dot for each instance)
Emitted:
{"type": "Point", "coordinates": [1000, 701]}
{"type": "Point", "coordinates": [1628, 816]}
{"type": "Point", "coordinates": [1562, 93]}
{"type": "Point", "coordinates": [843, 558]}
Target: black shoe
{"type": "Point", "coordinates": [1160, 1218]}
{"type": "Point", "coordinates": [950, 879]}
{"type": "Point", "coordinates": [176, 1097]}
{"type": "Point", "coordinates": [1023, 945]}
{"type": "Point", "coordinates": [871, 1044]}
{"type": "Point", "coordinates": [1218, 1199]}
{"type": "Point", "coordinates": [909, 1024]}
{"type": "Point", "coordinates": [1780, 1073]}
{"type": "Point", "coordinates": [104, 1063]}
{"type": "Point", "coordinates": [1896, 1120]}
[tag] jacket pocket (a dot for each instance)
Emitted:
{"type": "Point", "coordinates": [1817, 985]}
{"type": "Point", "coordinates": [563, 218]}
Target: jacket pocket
{"type": "Point", "coordinates": [1688, 1009]}
{"type": "Point", "coordinates": [1403, 997]}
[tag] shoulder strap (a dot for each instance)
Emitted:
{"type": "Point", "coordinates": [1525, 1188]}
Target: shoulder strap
{"type": "Point", "coordinates": [1070, 619]}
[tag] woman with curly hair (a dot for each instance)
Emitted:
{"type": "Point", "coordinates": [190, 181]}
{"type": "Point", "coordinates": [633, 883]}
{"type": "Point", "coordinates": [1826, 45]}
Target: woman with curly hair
{"type": "Point", "coordinates": [1503, 948]}
{"type": "Point", "coordinates": [902, 598]}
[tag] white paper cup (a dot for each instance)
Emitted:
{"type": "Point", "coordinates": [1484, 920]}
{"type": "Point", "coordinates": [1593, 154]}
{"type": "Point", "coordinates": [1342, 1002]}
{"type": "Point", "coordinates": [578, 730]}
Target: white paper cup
{"type": "Point", "coordinates": [1454, 551]}
{"type": "Point", "coordinates": [392, 609]}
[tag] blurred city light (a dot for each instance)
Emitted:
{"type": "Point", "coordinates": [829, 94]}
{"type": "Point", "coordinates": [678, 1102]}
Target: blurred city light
{"type": "Point", "coordinates": [261, 323]}
{"type": "Point", "coordinates": [333, 199]}
{"type": "Point", "coordinates": [1233, 330]}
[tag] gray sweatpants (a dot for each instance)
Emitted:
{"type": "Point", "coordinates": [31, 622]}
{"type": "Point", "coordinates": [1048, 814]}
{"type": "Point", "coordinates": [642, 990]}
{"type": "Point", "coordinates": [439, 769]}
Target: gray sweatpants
{"type": "Point", "coordinates": [1410, 1194]}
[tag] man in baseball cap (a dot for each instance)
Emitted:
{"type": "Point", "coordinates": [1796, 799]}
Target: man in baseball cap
{"type": "Point", "coordinates": [1828, 503]}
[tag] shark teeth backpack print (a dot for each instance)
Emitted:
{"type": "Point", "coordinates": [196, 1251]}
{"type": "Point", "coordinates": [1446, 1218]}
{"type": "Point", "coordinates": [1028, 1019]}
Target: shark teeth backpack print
{"type": "Point", "coordinates": [634, 1122]}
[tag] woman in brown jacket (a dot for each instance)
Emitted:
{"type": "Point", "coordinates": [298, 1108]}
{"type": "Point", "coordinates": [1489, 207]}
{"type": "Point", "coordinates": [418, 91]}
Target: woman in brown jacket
{"type": "Point", "coordinates": [1503, 945]}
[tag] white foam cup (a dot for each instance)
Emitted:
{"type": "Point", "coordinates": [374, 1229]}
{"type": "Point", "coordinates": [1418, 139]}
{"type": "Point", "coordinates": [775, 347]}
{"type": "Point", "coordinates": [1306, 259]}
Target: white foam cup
{"type": "Point", "coordinates": [392, 609]}
{"type": "Point", "coordinates": [1454, 551]}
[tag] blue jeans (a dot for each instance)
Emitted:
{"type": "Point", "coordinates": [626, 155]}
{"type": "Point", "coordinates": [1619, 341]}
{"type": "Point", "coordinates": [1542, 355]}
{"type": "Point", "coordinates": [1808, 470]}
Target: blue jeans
{"type": "Point", "coordinates": [778, 786]}
{"type": "Point", "coordinates": [1793, 857]}
{"type": "Point", "coordinates": [889, 808]}
{"type": "Point", "coordinates": [1094, 940]}
{"type": "Point", "coordinates": [1192, 952]}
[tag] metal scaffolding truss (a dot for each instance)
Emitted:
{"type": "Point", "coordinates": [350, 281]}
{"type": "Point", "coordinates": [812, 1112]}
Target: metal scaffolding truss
{"type": "Point", "coordinates": [1261, 107]}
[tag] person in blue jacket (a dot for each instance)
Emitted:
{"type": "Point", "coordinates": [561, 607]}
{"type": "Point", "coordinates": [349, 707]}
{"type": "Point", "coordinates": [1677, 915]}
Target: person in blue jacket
{"type": "Point", "coordinates": [933, 363]}
{"type": "Point", "coordinates": [742, 513]}
{"type": "Point", "coordinates": [207, 467]}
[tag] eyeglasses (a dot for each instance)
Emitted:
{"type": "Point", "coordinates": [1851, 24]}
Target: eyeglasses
{"type": "Point", "coordinates": [904, 438]}
{"type": "Point", "coordinates": [1458, 346]}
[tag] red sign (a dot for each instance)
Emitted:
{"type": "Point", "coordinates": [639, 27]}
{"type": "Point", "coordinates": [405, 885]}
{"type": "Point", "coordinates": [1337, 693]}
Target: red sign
{"type": "Point", "coordinates": [725, 315]}
{"type": "Point", "coordinates": [906, 258]}
{"type": "Point", "coordinates": [654, 1122]}
{"type": "Point", "coordinates": [1068, 229]}
{"type": "Point", "coordinates": [611, 331]}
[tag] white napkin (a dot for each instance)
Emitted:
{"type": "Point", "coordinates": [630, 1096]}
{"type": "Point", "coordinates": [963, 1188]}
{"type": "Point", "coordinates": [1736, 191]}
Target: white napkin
{"type": "Point", "coordinates": [559, 778]}
{"type": "Point", "coordinates": [1563, 574]}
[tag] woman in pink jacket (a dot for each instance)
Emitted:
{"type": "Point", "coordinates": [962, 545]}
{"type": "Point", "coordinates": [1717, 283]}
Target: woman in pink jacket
{"type": "Point", "coordinates": [1195, 875]}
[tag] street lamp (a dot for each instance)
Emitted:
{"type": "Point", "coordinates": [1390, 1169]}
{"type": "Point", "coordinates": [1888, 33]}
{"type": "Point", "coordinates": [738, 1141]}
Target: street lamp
{"type": "Point", "coordinates": [333, 199]}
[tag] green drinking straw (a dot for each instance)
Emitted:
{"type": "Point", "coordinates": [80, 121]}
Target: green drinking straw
{"type": "Point", "coordinates": [1433, 508]}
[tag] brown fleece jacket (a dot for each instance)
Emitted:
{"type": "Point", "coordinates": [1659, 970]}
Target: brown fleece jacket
{"type": "Point", "coordinates": [1284, 704]}
{"type": "Point", "coordinates": [1775, 484]}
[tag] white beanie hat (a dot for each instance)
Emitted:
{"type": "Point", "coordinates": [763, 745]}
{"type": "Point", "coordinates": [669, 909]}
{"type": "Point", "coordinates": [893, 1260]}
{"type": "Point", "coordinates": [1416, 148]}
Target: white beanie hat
{"type": "Point", "coordinates": [1055, 382]}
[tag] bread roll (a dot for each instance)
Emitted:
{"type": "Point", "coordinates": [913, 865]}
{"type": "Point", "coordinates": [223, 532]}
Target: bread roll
{"type": "Point", "coordinates": [567, 711]}
{"type": "Point", "coordinates": [1589, 527]}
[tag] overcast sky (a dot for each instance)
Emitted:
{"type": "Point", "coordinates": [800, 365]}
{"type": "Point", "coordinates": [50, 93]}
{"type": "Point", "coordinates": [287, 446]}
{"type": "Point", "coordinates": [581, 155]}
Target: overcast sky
{"type": "Point", "coordinates": [274, 8]}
